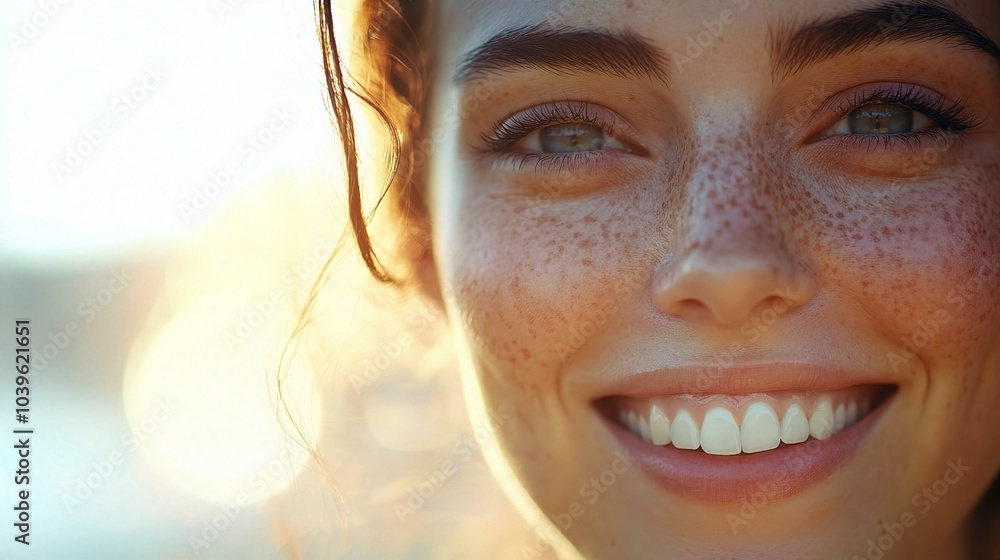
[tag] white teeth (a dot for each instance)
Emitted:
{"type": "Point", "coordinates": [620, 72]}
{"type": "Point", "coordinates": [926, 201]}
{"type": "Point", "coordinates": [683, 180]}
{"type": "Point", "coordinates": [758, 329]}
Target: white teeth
{"type": "Point", "coordinates": [795, 425]}
{"type": "Point", "coordinates": [839, 417]}
{"type": "Point", "coordinates": [684, 432]}
{"type": "Point", "coordinates": [720, 434]}
{"type": "Point", "coordinates": [852, 413]}
{"type": "Point", "coordinates": [759, 429]}
{"type": "Point", "coordinates": [659, 427]}
{"type": "Point", "coordinates": [633, 422]}
{"type": "Point", "coordinates": [644, 430]}
{"type": "Point", "coordinates": [821, 423]}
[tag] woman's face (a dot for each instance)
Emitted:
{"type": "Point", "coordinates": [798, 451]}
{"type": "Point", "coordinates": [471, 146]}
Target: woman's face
{"type": "Point", "coordinates": [765, 231]}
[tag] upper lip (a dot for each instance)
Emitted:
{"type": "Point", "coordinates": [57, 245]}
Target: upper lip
{"type": "Point", "coordinates": [743, 379]}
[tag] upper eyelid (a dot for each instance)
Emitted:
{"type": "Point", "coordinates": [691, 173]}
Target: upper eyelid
{"type": "Point", "coordinates": [602, 117]}
{"type": "Point", "coordinates": [840, 104]}
{"type": "Point", "coordinates": [847, 100]}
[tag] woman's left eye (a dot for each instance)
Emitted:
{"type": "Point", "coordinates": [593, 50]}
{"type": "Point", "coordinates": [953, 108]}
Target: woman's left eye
{"type": "Point", "coordinates": [881, 119]}
{"type": "Point", "coordinates": [569, 138]}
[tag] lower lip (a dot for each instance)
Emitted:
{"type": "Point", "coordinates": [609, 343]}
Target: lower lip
{"type": "Point", "coordinates": [726, 479]}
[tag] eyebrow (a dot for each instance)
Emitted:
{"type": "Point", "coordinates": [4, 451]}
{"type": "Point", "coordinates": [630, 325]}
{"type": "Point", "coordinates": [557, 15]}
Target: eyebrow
{"type": "Point", "coordinates": [565, 51]}
{"type": "Point", "coordinates": [793, 49]}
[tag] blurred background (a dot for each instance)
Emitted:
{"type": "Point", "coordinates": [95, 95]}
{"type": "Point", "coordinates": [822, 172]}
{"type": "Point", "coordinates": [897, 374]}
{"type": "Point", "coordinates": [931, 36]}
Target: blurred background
{"type": "Point", "coordinates": [169, 197]}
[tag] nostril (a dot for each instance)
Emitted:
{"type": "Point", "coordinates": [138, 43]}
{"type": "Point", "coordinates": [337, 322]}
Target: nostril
{"type": "Point", "coordinates": [727, 290]}
{"type": "Point", "coordinates": [688, 307]}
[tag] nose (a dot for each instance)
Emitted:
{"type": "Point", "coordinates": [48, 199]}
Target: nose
{"type": "Point", "coordinates": [733, 254]}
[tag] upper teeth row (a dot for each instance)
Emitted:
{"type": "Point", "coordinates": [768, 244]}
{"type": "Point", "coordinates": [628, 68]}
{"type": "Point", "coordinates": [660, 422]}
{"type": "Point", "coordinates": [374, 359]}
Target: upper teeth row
{"type": "Point", "coordinates": [720, 434]}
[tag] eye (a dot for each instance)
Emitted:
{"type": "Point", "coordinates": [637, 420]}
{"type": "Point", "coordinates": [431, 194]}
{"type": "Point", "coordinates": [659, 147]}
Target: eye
{"type": "Point", "coordinates": [568, 138]}
{"type": "Point", "coordinates": [897, 114]}
{"type": "Point", "coordinates": [561, 129]}
{"type": "Point", "coordinates": [881, 119]}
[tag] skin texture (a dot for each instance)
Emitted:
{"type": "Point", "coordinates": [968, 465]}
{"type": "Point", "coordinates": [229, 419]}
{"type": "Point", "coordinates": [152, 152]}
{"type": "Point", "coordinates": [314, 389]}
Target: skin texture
{"type": "Point", "coordinates": [559, 280]}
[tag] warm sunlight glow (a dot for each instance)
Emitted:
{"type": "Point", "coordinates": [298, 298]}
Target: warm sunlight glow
{"type": "Point", "coordinates": [202, 390]}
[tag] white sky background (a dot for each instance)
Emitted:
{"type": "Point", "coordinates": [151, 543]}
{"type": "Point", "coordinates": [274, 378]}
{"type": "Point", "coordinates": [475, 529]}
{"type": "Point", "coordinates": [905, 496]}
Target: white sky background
{"type": "Point", "coordinates": [227, 66]}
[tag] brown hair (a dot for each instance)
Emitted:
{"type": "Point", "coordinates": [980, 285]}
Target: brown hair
{"type": "Point", "coordinates": [391, 82]}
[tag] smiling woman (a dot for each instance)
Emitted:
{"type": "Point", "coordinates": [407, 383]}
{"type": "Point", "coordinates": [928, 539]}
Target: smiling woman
{"type": "Point", "coordinates": [743, 256]}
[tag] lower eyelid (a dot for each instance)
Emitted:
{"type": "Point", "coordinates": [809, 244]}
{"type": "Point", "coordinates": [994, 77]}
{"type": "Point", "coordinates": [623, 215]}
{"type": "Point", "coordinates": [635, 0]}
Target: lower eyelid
{"type": "Point", "coordinates": [577, 162]}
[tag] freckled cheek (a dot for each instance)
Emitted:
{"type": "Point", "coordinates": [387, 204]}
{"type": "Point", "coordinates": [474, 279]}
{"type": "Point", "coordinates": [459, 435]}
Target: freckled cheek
{"type": "Point", "coordinates": [945, 300]}
{"type": "Point", "coordinates": [536, 290]}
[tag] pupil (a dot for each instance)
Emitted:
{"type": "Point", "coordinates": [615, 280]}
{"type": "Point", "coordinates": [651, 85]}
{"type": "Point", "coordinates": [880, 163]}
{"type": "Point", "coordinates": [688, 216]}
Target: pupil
{"type": "Point", "coordinates": [571, 137]}
{"type": "Point", "coordinates": [881, 118]}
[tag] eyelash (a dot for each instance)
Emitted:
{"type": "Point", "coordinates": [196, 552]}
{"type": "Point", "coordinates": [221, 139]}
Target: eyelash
{"type": "Point", "coordinates": [507, 132]}
{"type": "Point", "coordinates": [950, 118]}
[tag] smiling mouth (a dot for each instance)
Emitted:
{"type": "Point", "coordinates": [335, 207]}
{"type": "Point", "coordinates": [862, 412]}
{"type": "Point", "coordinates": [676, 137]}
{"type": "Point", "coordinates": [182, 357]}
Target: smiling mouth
{"type": "Point", "coordinates": [720, 424]}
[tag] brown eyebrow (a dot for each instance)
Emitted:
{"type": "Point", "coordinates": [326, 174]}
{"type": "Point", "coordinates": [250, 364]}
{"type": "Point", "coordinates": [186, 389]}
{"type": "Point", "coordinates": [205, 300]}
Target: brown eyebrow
{"type": "Point", "coordinates": [565, 50]}
{"type": "Point", "coordinates": [793, 49]}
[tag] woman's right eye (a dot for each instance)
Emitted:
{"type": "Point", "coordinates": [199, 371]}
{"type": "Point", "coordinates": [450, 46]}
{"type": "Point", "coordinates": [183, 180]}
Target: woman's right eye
{"type": "Point", "coordinates": [569, 138]}
{"type": "Point", "coordinates": [558, 129]}
{"type": "Point", "coordinates": [573, 137]}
